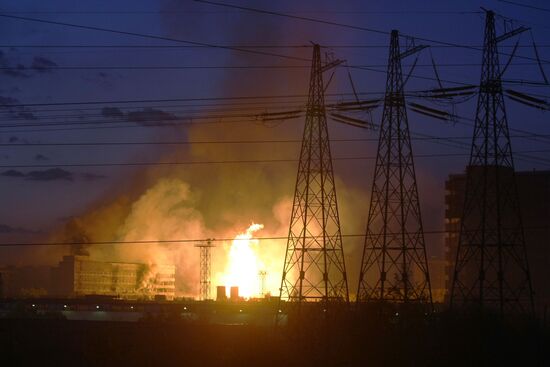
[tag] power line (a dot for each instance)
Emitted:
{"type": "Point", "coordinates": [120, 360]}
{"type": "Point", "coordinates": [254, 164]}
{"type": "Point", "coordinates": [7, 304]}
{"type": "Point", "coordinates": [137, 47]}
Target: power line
{"type": "Point", "coordinates": [151, 36]}
{"type": "Point", "coordinates": [148, 123]}
{"type": "Point", "coordinates": [520, 155]}
{"type": "Point", "coordinates": [343, 25]}
{"type": "Point", "coordinates": [159, 122]}
{"type": "Point", "coordinates": [180, 46]}
{"type": "Point", "coordinates": [446, 141]}
{"type": "Point", "coordinates": [287, 15]}
{"type": "Point", "coordinates": [189, 112]}
{"type": "Point", "coordinates": [135, 34]}
{"type": "Point", "coordinates": [256, 105]}
{"type": "Point", "coordinates": [133, 164]}
{"type": "Point", "coordinates": [130, 126]}
{"type": "Point", "coordinates": [135, 101]}
{"type": "Point", "coordinates": [529, 135]}
{"type": "Point", "coordinates": [278, 46]}
{"type": "Point", "coordinates": [215, 142]}
{"type": "Point", "coordinates": [219, 46]}
{"type": "Point", "coordinates": [443, 141]}
{"type": "Point", "coordinates": [237, 67]}
{"type": "Point", "coordinates": [166, 100]}
{"type": "Point", "coordinates": [292, 141]}
{"type": "Point", "coordinates": [197, 240]}
{"type": "Point", "coordinates": [524, 22]}
{"type": "Point", "coordinates": [169, 120]}
{"type": "Point", "coordinates": [187, 67]}
{"type": "Point", "coordinates": [153, 121]}
{"type": "Point", "coordinates": [107, 102]}
{"type": "Point", "coordinates": [426, 137]}
{"type": "Point", "coordinates": [194, 12]}
{"type": "Point", "coordinates": [262, 107]}
{"type": "Point", "coordinates": [235, 101]}
{"type": "Point", "coordinates": [524, 5]}
{"type": "Point", "coordinates": [236, 48]}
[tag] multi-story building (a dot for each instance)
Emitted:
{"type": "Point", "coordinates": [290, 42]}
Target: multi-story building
{"type": "Point", "coordinates": [80, 276]}
{"type": "Point", "coordinates": [534, 195]}
{"type": "Point", "coordinates": [24, 281]}
{"type": "Point", "coordinates": [438, 282]}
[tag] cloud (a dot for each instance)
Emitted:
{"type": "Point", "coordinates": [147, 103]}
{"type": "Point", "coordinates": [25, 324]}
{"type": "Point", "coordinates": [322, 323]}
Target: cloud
{"type": "Point", "coordinates": [112, 112]}
{"type": "Point", "coordinates": [12, 173]}
{"type": "Point", "coordinates": [52, 174]}
{"type": "Point", "coordinates": [40, 157]}
{"type": "Point", "coordinates": [6, 229]}
{"type": "Point", "coordinates": [42, 64]}
{"type": "Point", "coordinates": [92, 176]}
{"type": "Point", "coordinates": [102, 79]}
{"type": "Point", "coordinates": [26, 115]}
{"type": "Point", "coordinates": [151, 116]}
{"type": "Point", "coordinates": [17, 139]}
{"type": "Point", "coordinates": [39, 65]}
{"type": "Point", "coordinates": [148, 116]}
{"type": "Point", "coordinates": [8, 68]}
{"type": "Point", "coordinates": [7, 103]}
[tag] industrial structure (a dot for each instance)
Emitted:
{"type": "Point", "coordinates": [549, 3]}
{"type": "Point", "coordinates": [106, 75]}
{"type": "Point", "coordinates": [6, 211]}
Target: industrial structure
{"type": "Point", "coordinates": [534, 190]}
{"type": "Point", "coordinates": [491, 268]}
{"type": "Point", "coordinates": [394, 266]}
{"type": "Point", "coordinates": [262, 275]}
{"type": "Point", "coordinates": [314, 268]}
{"type": "Point", "coordinates": [77, 276]}
{"type": "Point", "coordinates": [485, 230]}
{"type": "Point", "coordinates": [205, 269]}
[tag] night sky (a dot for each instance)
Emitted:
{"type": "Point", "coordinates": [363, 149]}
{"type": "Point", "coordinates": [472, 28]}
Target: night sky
{"type": "Point", "coordinates": [160, 101]}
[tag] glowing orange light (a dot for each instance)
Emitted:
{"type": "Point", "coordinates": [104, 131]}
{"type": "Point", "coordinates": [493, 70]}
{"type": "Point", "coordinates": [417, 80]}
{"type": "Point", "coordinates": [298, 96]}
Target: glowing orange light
{"type": "Point", "coordinates": [244, 263]}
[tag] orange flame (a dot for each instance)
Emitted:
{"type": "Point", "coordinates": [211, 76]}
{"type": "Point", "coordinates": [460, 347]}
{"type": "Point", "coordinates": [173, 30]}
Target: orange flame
{"type": "Point", "coordinates": [244, 264]}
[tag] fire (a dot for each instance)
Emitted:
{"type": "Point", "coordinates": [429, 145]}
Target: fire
{"type": "Point", "coordinates": [244, 263]}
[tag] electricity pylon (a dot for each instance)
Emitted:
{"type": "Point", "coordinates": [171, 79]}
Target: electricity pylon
{"type": "Point", "coordinates": [314, 268]}
{"type": "Point", "coordinates": [491, 269]}
{"type": "Point", "coordinates": [394, 266]}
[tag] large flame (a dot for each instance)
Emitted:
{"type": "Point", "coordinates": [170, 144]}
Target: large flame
{"type": "Point", "coordinates": [244, 264]}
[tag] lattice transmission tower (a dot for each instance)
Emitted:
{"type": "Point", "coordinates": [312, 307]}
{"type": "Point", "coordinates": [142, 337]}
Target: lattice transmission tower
{"type": "Point", "coordinates": [205, 269]}
{"type": "Point", "coordinates": [314, 268]}
{"type": "Point", "coordinates": [394, 264]}
{"type": "Point", "coordinates": [491, 269]}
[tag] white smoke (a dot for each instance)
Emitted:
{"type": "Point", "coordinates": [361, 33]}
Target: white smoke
{"type": "Point", "coordinates": [166, 211]}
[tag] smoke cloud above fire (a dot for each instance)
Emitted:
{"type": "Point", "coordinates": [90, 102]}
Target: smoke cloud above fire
{"type": "Point", "coordinates": [216, 200]}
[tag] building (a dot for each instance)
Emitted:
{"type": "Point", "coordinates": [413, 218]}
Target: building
{"type": "Point", "coordinates": [77, 276]}
{"type": "Point", "coordinates": [534, 195]}
{"type": "Point", "coordinates": [24, 281]}
{"type": "Point", "coordinates": [437, 268]}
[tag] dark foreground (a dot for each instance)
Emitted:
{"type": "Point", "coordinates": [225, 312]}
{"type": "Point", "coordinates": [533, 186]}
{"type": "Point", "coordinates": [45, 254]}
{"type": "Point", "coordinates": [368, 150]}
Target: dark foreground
{"type": "Point", "coordinates": [343, 340]}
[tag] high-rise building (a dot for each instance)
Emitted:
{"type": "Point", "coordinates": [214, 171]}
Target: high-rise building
{"type": "Point", "coordinates": [534, 195]}
{"type": "Point", "coordinates": [80, 276]}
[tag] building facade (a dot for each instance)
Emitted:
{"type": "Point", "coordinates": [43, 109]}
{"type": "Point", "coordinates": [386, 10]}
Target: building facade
{"type": "Point", "coordinates": [24, 281]}
{"type": "Point", "coordinates": [534, 199]}
{"type": "Point", "coordinates": [77, 276]}
{"type": "Point", "coordinates": [438, 282]}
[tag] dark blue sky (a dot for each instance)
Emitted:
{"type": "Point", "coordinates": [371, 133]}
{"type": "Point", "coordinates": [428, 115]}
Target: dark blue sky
{"type": "Point", "coordinates": [42, 198]}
